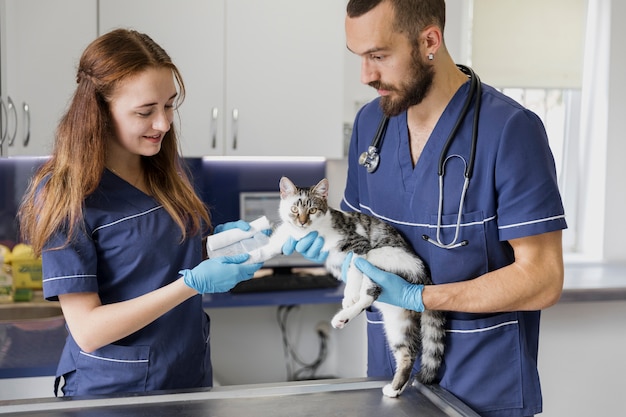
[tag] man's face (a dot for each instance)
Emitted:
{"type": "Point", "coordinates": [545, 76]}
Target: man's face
{"type": "Point", "coordinates": [391, 64]}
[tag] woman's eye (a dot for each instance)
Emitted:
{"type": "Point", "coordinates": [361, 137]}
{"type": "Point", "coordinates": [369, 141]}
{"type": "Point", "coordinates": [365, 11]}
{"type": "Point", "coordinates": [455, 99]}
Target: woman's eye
{"type": "Point", "coordinates": [144, 114]}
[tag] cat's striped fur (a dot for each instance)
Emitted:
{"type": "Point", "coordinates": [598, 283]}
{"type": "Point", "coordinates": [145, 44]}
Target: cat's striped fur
{"type": "Point", "coordinates": [305, 209]}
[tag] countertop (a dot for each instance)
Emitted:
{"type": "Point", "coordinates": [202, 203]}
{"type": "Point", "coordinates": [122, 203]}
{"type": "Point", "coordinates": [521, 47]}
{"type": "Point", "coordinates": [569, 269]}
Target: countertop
{"type": "Point", "coordinates": [594, 282]}
{"type": "Point", "coordinates": [336, 397]}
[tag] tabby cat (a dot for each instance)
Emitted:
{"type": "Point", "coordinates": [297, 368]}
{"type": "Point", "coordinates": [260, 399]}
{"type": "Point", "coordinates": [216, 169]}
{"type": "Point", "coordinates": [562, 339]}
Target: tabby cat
{"type": "Point", "coordinates": [305, 209]}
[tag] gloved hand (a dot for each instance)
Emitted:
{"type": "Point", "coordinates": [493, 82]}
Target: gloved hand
{"type": "Point", "coordinates": [239, 224]}
{"type": "Point", "coordinates": [396, 290]}
{"type": "Point", "coordinates": [345, 266]}
{"type": "Point", "coordinates": [309, 246]}
{"type": "Point", "coordinates": [219, 274]}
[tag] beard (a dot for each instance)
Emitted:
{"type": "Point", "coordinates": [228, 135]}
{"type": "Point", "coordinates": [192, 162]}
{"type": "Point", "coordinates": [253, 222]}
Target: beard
{"type": "Point", "coordinates": [410, 92]}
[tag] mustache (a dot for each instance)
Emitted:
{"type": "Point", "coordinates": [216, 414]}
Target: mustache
{"type": "Point", "coordinates": [377, 85]}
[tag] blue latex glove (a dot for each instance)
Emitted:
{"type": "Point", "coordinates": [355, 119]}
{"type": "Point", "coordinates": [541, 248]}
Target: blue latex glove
{"type": "Point", "coordinates": [219, 274]}
{"type": "Point", "coordinates": [239, 224]}
{"type": "Point", "coordinates": [396, 290]}
{"type": "Point", "coordinates": [309, 246]}
{"type": "Point", "coordinates": [345, 266]}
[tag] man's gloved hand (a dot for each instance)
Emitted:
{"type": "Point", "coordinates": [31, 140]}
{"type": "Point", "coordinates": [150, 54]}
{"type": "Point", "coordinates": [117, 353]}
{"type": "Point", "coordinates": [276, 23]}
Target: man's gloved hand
{"type": "Point", "coordinates": [219, 274]}
{"type": "Point", "coordinates": [309, 246]}
{"type": "Point", "coordinates": [396, 290]}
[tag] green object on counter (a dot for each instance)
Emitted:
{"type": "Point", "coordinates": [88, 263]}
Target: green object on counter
{"type": "Point", "coordinates": [22, 294]}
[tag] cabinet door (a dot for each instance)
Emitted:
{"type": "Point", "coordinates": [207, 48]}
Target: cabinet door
{"type": "Point", "coordinates": [42, 43]}
{"type": "Point", "coordinates": [284, 78]}
{"type": "Point", "coordinates": [192, 33]}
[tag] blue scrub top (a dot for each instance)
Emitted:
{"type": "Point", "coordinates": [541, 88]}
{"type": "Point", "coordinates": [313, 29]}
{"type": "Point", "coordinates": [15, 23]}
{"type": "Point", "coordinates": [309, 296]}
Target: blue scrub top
{"type": "Point", "coordinates": [130, 246]}
{"type": "Point", "coordinates": [491, 359]}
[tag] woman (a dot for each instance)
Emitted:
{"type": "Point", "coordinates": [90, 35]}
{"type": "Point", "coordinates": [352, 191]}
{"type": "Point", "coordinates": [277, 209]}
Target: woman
{"type": "Point", "coordinates": [119, 226]}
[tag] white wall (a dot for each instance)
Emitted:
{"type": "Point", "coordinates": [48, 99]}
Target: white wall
{"type": "Point", "coordinates": [615, 203]}
{"type": "Point", "coordinates": [581, 359]}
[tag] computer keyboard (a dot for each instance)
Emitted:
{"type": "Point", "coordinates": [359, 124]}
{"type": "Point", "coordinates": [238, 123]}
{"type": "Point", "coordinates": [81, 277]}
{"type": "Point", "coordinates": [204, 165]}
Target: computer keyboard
{"type": "Point", "coordinates": [286, 282]}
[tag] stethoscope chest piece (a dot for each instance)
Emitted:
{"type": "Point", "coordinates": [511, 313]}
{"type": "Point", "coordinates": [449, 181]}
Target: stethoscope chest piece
{"type": "Point", "coordinates": [370, 159]}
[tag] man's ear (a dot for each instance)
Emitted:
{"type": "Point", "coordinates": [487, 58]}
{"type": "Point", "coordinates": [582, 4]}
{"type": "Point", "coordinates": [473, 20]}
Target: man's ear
{"type": "Point", "coordinates": [431, 39]}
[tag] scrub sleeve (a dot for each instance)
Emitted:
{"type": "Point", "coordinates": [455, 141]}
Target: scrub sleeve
{"type": "Point", "coordinates": [490, 360]}
{"type": "Point", "coordinates": [130, 246]}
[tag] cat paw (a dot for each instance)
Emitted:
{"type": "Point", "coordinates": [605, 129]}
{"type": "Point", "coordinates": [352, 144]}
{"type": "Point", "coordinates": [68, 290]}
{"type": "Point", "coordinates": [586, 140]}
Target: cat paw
{"type": "Point", "coordinates": [390, 392]}
{"type": "Point", "coordinates": [338, 322]}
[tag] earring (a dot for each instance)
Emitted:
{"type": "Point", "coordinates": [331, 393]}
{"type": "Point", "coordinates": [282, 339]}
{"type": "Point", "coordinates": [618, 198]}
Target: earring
{"type": "Point", "coordinates": [431, 56]}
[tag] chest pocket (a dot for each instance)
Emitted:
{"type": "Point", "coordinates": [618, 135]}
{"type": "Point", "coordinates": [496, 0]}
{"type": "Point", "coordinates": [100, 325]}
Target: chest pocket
{"type": "Point", "coordinates": [463, 262]}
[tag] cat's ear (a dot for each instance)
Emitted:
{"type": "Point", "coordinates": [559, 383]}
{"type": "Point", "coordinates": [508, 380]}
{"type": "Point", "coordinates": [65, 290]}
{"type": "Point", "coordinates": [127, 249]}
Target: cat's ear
{"type": "Point", "coordinates": [287, 187]}
{"type": "Point", "coordinates": [322, 188]}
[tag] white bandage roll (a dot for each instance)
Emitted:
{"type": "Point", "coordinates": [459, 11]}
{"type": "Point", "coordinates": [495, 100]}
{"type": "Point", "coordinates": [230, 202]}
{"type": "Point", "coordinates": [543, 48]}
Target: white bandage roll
{"type": "Point", "coordinates": [228, 237]}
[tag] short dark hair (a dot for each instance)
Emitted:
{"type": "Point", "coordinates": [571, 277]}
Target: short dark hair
{"type": "Point", "coordinates": [411, 16]}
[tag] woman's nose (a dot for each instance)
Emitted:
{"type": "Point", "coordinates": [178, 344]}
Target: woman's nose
{"type": "Point", "coordinates": [163, 121]}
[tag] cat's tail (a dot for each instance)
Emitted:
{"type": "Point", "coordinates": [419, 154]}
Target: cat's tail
{"type": "Point", "coordinates": [433, 343]}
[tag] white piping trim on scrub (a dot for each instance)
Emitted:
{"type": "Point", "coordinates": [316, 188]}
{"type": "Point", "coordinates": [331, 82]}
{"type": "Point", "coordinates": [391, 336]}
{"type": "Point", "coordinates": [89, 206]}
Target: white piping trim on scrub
{"type": "Point", "coordinates": [69, 276]}
{"type": "Point", "coordinates": [123, 219]}
{"type": "Point", "coordinates": [546, 219]}
{"type": "Point", "coordinates": [114, 360]}
{"type": "Point", "coordinates": [484, 329]}
{"type": "Point", "coordinates": [432, 226]}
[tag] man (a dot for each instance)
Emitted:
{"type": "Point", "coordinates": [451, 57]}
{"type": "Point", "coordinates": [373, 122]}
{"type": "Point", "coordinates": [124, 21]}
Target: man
{"type": "Point", "coordinates": [499, 261]}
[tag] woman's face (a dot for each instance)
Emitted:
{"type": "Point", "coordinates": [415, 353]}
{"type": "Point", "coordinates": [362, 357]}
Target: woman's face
{"type": "Point", "coordinates": [142, 108]}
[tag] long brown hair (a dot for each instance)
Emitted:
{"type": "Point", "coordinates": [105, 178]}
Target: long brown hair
{"type": "Point", "coordinates": [57, 191]}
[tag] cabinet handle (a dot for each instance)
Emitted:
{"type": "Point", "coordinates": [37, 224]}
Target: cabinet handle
{"type": "Point", "coordinates": [11, 108]}
{"type": "Point", "coordinates": [3, 122]}
{"type": "Point", "coordinates": [235, 127]}
{"type": "Point", "coordinates": [214, 114]}
{"type": "Point", "coordinates": [26, 110]}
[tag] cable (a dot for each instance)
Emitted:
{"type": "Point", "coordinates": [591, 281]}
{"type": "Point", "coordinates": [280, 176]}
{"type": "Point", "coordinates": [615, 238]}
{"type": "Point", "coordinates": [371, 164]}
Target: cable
{"type": "Point", "coordinates": [307, 370]}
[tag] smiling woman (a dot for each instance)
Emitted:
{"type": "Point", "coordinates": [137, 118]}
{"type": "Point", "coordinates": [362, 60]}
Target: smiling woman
{"type": "Point", "coordinates": [142, 109]}
{"type": "Point", "coordinates": [119, 226]}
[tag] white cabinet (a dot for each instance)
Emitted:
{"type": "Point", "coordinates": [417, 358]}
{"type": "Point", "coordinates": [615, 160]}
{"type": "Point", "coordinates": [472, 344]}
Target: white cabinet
{"type": "Point", "coordinates": [262, 77]}
{"type": "Point", "coordinates": [41, 44]}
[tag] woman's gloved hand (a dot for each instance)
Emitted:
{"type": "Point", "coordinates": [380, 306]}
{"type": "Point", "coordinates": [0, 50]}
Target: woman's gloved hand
{"type": "Point", "coordinates": [239, 224]}
{"type": "Point", "coordinates": [309, 246]}
{"type": "Point", "coordinates": [396, 290]}
{"type": "Point", "coordinates": [219, 274]}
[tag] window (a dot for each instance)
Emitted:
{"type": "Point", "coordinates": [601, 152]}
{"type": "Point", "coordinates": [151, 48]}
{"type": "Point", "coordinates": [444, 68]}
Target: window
{"type": "Point", "coordinates": [532, 50]}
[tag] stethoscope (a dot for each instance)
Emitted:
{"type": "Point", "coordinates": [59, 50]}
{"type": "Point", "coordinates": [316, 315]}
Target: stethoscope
{"type": "Point", "coordinates": [371, 158]}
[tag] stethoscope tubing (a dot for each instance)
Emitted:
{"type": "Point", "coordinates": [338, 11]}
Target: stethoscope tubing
{"type": "Point", "coordinates": [371, 159]}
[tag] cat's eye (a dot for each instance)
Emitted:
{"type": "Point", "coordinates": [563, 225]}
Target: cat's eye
{"type": "Point", "coordinates": [313, 210]}
{"type": "Point", "coordinates": [294, 209]}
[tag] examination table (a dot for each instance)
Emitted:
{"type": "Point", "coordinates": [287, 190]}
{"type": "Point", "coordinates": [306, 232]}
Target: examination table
{"type": "Point", "coordinates": [360, 397]}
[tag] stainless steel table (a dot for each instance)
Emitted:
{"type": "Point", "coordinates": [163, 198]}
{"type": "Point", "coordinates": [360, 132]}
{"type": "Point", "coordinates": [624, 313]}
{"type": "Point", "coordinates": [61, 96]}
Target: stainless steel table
{"type": "Point", "coordinates": [333, 397]}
